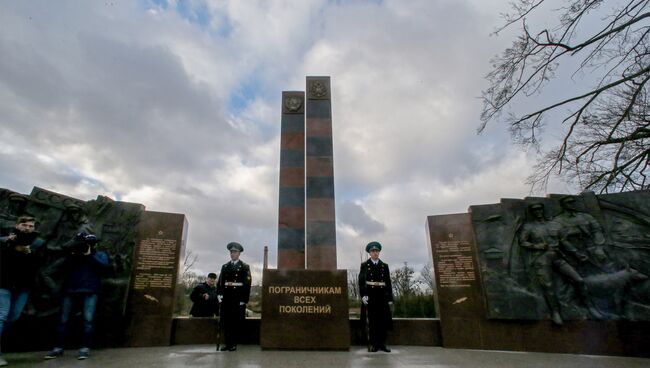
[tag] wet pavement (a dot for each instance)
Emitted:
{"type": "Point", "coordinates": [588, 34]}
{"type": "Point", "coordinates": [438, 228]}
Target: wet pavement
{"type": "Point", "coordinates": [250, 356]}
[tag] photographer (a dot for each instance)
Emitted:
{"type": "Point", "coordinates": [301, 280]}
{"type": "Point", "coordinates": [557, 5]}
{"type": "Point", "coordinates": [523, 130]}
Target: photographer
{"type": "Point", "coordinates": [18, 266]}
{"type": "Point", "coordinates": [204, 297]}
{"type": "Point", "coordinates": [83, 268]}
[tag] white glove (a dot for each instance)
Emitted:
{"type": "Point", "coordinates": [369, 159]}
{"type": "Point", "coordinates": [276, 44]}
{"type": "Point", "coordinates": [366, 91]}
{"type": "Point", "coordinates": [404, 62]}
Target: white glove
{"type": "Point", "coordinates": [390, 303]}
{"type": "Point", "coordinates": [242, 303]}
{"type": "Point", "coordinates": [219, 298]}
{"type": "Point", "coordinates": [365, 300]}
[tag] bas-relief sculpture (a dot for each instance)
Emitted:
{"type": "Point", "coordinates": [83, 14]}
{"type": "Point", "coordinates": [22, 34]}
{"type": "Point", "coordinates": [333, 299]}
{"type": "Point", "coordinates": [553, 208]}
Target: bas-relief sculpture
{"type": "Point", "coordinates": [59, 218]}
{"type": "Point", "coordinates": [566, 257]}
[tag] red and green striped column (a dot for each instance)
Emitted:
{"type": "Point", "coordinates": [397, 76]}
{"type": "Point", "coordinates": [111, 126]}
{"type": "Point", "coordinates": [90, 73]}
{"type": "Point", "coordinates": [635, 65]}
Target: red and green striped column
{"type": "Point", "coordinates": [291, 219]}
{"type": "Point", "coordinates": [321, 221]}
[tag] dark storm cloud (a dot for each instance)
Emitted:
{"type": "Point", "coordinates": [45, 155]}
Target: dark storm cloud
{"type": "Point", "coordinates": [139, 102]}
{"type": "Point", "coordinates": [353, 215]}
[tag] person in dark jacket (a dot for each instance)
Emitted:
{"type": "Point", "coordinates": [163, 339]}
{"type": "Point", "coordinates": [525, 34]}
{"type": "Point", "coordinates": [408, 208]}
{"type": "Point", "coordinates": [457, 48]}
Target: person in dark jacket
{"type": "Point", "coordinates": [376, 293]}
{"type": "Point", "coordinates": [233, 290]}
{"type": "Point", "coordinates": [204, 297]}
{"type": "Point", "coordinates": [83, 268]}
{"type": "Point", "coordinates": [18, 267]}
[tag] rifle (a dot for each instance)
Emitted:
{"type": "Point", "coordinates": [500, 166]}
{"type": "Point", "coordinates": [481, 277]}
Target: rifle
{"type": "Point", "coordinates": [368, 327]}
{"type": "Point", "coordinates": [219, 328]}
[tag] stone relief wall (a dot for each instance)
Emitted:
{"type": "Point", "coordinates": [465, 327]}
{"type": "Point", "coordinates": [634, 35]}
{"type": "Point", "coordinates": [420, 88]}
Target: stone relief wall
{"type": "Point", "coordinates": [59, 218]}
{"type": "Point", "coordinates": [566, 257]}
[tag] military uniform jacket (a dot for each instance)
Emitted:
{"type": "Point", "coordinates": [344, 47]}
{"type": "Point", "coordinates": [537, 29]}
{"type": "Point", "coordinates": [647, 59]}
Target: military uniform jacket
{"type": "Point", "coordinates": [234, 282]}
{"type": "Point", "coordinates": [374, 281]}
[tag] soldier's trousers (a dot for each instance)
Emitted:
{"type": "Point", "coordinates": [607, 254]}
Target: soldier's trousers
{"type": "Point", "coordinates": [233, 316]}
{"type": "Point", "coordinates": [379, 322]}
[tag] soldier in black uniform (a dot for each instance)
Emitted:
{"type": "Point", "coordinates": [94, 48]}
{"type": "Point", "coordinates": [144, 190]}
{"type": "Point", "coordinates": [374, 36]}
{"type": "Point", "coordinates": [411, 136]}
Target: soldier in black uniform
{"type": "Point", "coordinates": [204, 297]}
{"type": "Point", "coordinates": [233, 289]}
{"type": "Point", "coordinates": [376, 295]}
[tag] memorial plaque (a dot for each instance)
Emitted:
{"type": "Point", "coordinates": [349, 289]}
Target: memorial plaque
{"type": "Point", "coordinates": [159, 249]}
{"type": "Point", "coordinates": [305, 310]}
{"type": "Point", "coordinates": [455, 263]}
{"type": "Point", "coordinates": [459, 297]}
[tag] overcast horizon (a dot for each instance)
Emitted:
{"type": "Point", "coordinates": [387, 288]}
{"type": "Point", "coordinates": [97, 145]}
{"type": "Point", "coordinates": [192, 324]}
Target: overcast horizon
{"type": "Point", "coordinates": [176, 105]}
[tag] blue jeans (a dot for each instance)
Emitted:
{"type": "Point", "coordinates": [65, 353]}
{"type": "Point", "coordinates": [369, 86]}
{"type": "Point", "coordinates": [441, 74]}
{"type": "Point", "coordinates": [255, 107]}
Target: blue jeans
{"type": "Point", "coordinates": [89, 305]}
{"type": "Point", "coordinates": [12, 304]}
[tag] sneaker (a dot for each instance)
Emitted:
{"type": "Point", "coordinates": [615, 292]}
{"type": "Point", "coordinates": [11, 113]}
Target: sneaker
{"type": "Point", "coordinates": [55, 353]}
{"type": "Point", "coordinates": [84, 353]}
{"type": "Point", "coordinates": [3, 362]}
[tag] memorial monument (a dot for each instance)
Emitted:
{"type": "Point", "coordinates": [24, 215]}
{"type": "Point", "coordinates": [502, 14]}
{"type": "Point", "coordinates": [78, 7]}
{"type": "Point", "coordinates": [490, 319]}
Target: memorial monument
{"type": "Point", "coordinates": [555, 274]}
{"type": "Point", "coordinates": [144, 249]}
{"type": "Point", "coordinates": [305, 301]}
{"type": "Point", "coordinates": [291, 217]}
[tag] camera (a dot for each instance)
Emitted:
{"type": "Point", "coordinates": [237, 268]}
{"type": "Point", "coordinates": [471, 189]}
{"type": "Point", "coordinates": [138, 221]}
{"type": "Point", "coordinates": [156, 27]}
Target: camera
{"type": "Point", "coordinates": [23, 238]}
{"type": "Point", "coordinates": [83, 243]}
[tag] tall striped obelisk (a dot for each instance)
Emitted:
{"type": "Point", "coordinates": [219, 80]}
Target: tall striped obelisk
{"type": "Point", "coordinates": [321, 223]}
{"type": "Point", "coordinates": [306, 308]}
{"type": "Point", "coordinates": [291, 219]}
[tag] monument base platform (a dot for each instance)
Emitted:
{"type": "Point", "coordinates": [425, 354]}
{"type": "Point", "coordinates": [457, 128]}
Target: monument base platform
{"type": "Point", "coordinates": [414, 332]}
{"type": "Point", "coordinates": [305, 310]}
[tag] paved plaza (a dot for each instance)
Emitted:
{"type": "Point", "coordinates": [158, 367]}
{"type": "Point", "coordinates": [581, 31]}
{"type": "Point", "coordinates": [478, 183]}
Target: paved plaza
{"type": "Point", "coordinates": [250, 356]}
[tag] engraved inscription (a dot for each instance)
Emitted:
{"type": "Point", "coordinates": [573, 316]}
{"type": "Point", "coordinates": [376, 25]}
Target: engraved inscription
{"type": "Point", "coordinates": [152, 280]}
{"type": "Point", "coordinates": [156, 253]}
{"type": "Point", "coordinates": [454, 263]}
{"type": "Point", "coordinates": [159, 255]}
{"type": "Point", "coordinates": [298, 302]}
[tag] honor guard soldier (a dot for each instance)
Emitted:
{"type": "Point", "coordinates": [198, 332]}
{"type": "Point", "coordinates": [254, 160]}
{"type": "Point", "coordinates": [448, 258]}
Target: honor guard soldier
{"type": "Point", "coordinates": [376, 294]}
{"type": "Point", "coordinates": [233, 290]}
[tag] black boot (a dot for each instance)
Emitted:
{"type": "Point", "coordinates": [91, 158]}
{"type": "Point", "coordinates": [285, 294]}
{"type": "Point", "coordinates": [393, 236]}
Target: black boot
{"type": "Point", "coordinates": [384, 348]}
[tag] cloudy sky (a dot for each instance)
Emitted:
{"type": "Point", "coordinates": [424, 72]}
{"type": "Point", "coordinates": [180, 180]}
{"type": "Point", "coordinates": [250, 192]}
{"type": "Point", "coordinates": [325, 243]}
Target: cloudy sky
{"type": "Point", "coordinates": [176, 105]}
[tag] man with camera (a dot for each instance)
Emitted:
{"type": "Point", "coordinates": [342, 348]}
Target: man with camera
{"type": "Point", "coordinates": [83, 268]}
{"type": "Point", "coordinates": [17, 270]}
{"type": "Point", "coordinates": [204, 298]}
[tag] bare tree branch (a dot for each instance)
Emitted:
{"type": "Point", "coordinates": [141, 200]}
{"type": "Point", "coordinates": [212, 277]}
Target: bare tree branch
{"type": "Point", "coordinates": [189, 261]}
{"type": "Point", "coordinates": [605, 142]}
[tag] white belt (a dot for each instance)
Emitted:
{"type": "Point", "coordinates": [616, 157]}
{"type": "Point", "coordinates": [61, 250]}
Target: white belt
{"type": "Point", "coordinates": [375, 283]}
{"type": "Point", "coordinates": [234, 283]}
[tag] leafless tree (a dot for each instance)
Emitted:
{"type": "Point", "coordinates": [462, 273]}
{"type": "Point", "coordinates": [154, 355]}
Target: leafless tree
{"type": "Point", "coordinates": [404, 284]}
{"type": "Point", "coordinates": [186, 282]}
{"type": "Point", "coordinates": [353, 284]}
{"type": "Point", "coordinates": [606, 138]}
{"type": "Point", "coordinates": [427, 279]}
{"type": "Point", "coordinates": [188, 262]}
